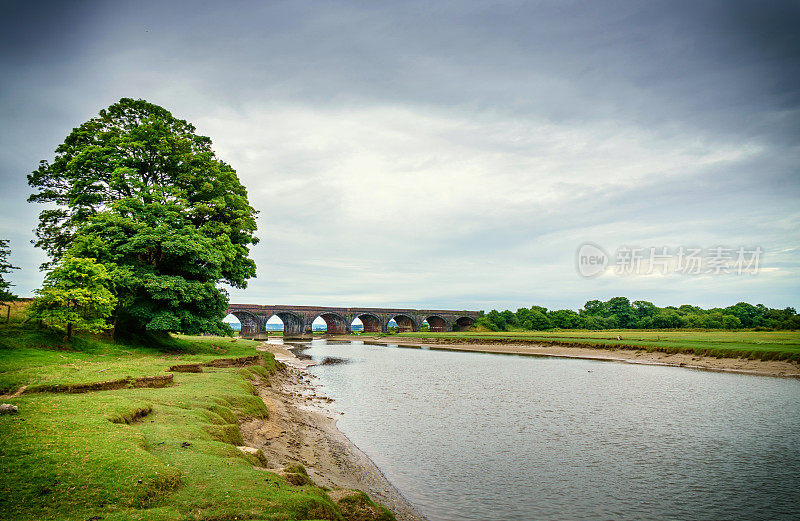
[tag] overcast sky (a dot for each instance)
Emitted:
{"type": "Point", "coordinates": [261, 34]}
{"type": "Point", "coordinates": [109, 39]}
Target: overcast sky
{"type": "Point", "coordinates": [445, 154]}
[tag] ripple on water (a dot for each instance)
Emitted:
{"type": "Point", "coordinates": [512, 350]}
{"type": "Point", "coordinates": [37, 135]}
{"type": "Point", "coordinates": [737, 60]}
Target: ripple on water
{"type": "Point", "coordinates": [478, 436]}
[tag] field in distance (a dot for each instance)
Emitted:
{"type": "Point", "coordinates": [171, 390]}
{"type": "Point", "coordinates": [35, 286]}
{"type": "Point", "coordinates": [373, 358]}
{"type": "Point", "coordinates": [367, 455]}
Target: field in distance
{"type": "Point", "coordinates": [765, 345]}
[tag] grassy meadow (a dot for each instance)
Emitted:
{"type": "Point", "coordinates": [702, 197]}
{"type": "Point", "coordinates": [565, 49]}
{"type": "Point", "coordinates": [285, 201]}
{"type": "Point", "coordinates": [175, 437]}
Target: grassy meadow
{"type": "Point", "coordinates": [764, 345]}
{"type": "Point", "coordinates": [138, 453]}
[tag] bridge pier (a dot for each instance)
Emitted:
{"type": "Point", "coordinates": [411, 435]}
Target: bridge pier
{"type": "Point", "coordinates": [294, 326]}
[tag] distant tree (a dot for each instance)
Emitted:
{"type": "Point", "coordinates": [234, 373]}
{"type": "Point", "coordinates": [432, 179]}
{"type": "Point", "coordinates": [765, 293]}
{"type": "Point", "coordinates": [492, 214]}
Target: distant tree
{"type": "Point", "coordinates": [748, 314]}
{"type": "Point", "coordinates": [731, 322]}
{"type": "Point", "coordinates": [75, 296]}
{"type": "Point", "coordinates": [495, 321]}
{"type": "Point", "coordinates": [138, 190]}
{"type": "Point", "coordinates": [591, 322]}
{"type": "Point", "coordinates": [5, 267]}
{"type": "Point", "coordinates": [643, 309]}
{"type": "Point", "coordinates": [595, 308]}
{"type": "Point", "coordinates": [539, 321]}
{"type": "Point", "coordinates": [619, 312]}
{"type": "Point", "coordinates": [485, 322]}
{"type": "Point", "coordinates": [523, 317]}
{"type": "Point", "coordinates": [609, 322]}
{"type": "Point", "coordinates": [564, 318]}
{"type": "Point", "coordinates": [667, 319]}
{"type": "Point", "coordinates": [782, 318]}
{"type": "Point", "coordinates": [621, 308]}
{"type": "Point", "coordinates": [540, 309]}
{"type": "Point", "coordinates": [686, 309]}
{"type": "Point", "coordinates": [644, 323]}
{"type": "Point", "coordinates": [533, 319]}
{"type": "Point", "coordinates": [510, 319]}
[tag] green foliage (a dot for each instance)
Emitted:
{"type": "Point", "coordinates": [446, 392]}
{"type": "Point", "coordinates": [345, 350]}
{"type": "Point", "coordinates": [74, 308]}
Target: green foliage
{"type": "Point", "coordinates": [643, 309]}
{"type": "Point", "coordinates": [5, 267]}
{"type": "Point", "coordinates": [564, 319]}
{"type": "Point", "coordinates": [595, 308]}
{"type": "Point", "coordinates": [138, 190]}
{"type": "Point", "coordinates": [622, 309]}
{"type": "Point", "coordinates": [618, 312]}
{"type": "Point", "coordinates": [539, 321]}
{"type": "Point", "coordinates": [731, 322]}
{"type": "Point", "coordinates": [75, 295]}
{"type": "Point", "coordinates": [534, 318]}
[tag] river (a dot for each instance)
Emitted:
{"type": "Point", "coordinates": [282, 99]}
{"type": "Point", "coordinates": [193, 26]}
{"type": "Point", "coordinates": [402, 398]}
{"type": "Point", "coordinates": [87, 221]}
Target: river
{"type": "Point", "coordinates": [474, 436]}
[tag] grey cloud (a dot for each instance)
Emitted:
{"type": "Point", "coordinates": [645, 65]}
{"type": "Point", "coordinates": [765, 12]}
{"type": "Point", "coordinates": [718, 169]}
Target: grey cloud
{"type": "Point", "coordinates": [716, 76]}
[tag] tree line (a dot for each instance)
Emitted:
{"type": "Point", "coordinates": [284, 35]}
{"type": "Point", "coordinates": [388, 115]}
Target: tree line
{"type": "Point", "coordinates": [621, 313]}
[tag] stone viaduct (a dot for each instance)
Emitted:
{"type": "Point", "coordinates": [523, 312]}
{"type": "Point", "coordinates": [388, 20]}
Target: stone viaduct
{"type": "Point", "coordinates": [297, 320]}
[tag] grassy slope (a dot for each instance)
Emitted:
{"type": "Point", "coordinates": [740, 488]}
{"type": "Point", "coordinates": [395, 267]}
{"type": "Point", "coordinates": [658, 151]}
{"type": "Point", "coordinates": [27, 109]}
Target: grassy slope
{"type": "Point", "coordinates": [74, 456]}
{"type": "Point", "coordinates": [766, 345]}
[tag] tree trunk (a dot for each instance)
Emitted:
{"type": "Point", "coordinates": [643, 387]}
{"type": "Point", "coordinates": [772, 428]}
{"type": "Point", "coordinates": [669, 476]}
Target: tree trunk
{"type": "Point", "coordinates": [69, 330]}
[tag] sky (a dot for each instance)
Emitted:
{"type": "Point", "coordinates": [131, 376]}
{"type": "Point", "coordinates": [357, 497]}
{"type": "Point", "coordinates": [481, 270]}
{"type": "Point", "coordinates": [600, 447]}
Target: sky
{"type": "Point", "coordinates": [448, 154]}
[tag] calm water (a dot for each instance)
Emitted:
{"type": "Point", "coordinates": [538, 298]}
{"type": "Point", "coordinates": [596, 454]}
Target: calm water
{"type": "Point", "coordinates": [495, 437]}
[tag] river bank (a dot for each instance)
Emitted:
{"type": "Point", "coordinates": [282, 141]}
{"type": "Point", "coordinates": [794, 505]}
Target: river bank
{"type": "Point", "coordinates": [301, 428]}
{"type": "Point", "coordinates": [635, 356]}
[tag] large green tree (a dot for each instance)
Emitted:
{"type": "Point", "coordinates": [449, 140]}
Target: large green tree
{"type": "Point", "coordinates": [138, 190]}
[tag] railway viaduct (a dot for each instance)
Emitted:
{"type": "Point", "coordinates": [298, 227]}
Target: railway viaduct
{"type": "Point", "coordinates": [297, 320]}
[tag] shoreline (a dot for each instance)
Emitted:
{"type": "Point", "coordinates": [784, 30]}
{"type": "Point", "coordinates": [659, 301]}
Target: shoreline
{"type": "Point", "coordinates": [776, 368]}
{"type": "Point", "coordinates": [301, 428]}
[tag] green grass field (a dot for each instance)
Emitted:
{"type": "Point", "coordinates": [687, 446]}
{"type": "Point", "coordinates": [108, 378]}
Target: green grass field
{"type": "Point", "coordinates": [138, 453]}
{"type": "Point", "coordinates": [765, 345]}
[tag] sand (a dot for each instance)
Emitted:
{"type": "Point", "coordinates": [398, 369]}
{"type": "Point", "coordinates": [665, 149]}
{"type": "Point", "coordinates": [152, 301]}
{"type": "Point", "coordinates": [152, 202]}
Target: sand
{"type": "Point", "coordinates": [301, 428]}
{"type": "Point", "coordinates": [634, 356]}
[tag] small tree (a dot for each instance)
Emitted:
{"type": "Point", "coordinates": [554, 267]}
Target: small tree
{"type": "Point", "coordinates": [5, 267]}
{"type": "Point", "coordinates": [75, 295]}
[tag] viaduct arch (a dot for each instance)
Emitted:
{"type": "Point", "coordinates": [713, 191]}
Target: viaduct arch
{"type": "Point", "coordinates": [297, 320]}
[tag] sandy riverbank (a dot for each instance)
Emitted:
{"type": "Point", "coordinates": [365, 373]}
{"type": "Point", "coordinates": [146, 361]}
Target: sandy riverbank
{"type": "Point", "coordinates": [635, 356]}
{"type": "Point", "coordinates": [301, 429]}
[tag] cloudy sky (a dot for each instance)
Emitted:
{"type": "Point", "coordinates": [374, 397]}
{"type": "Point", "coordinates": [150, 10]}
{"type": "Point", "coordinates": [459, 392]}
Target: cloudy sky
{"type": "Point", "coordinates": [446, 154]}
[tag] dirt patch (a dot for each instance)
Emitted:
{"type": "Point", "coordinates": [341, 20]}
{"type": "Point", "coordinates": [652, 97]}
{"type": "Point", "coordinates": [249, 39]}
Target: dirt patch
{"type": "Point", "coordinates": [132, 416]}
{"type": "Point", "coordinates": [16, 393]}
{"type": "Point", "coordinates": [154, 381]}
{"type": "Point", "coordinates": [108, 385]}
{"type": "Point", "coordinates": [242, 361]}
{"type": "Point", "coordinates": [186, 368]}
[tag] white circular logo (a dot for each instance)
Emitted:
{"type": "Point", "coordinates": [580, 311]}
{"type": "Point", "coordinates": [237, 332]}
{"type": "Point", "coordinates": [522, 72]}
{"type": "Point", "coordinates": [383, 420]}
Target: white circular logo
{"type": "Point", "coordinates": [591, 259]}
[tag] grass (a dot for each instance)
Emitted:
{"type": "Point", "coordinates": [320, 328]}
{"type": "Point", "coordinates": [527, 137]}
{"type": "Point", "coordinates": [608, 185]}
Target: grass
{"type": "Point", "coordinates": [137, 453]}
{"type": "Point", "coordinates": [764, 345]}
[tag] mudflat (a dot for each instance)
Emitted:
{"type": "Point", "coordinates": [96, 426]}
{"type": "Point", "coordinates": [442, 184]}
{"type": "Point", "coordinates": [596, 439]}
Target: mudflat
{"type": "Point", "coordinates": [636, 356]}
{"type": "Point", "coordinates": [302, 429]}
